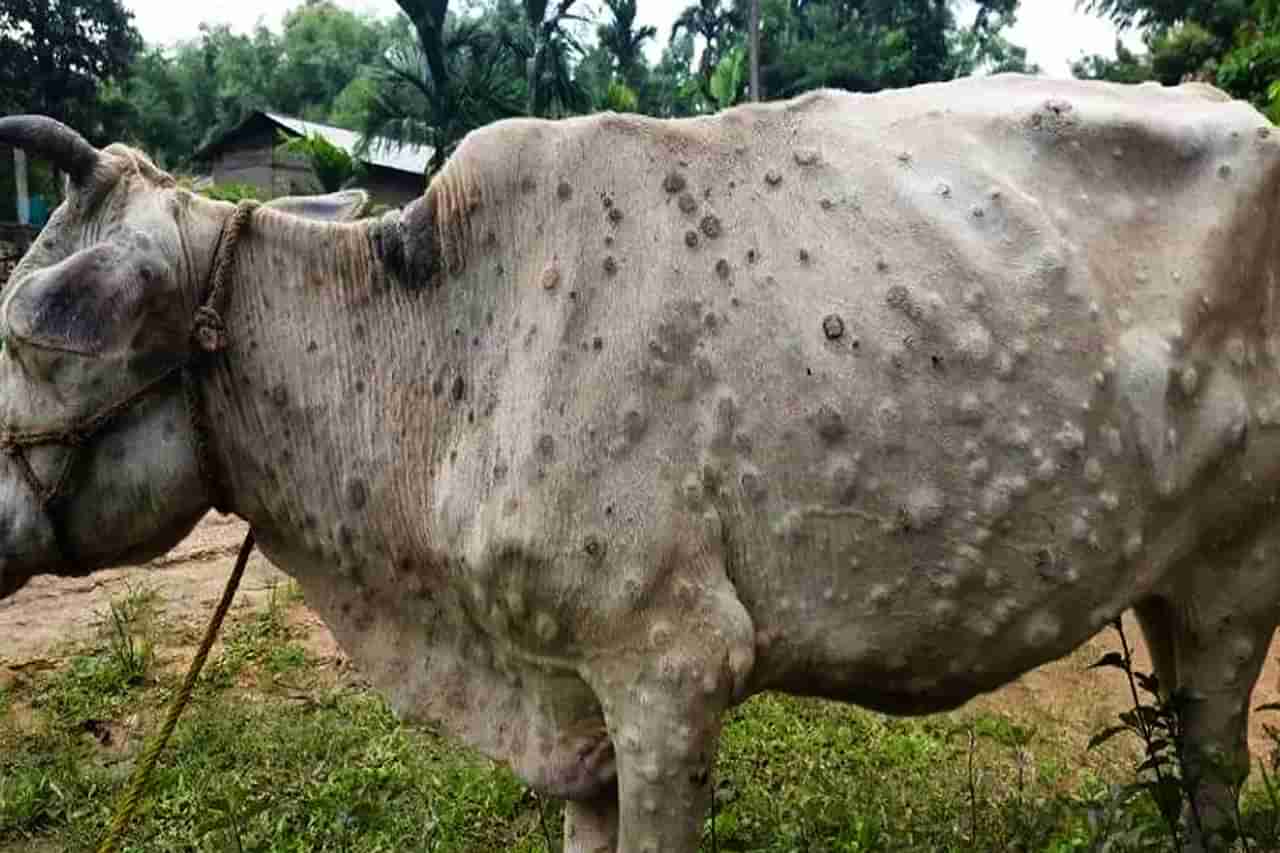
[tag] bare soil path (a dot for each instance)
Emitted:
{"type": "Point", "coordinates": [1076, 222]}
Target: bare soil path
{"type": "Point", "coordinates": [38, 624]}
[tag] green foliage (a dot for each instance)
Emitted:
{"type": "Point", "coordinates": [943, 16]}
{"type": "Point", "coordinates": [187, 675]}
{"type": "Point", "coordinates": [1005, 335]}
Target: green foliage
{"type": "Point", "coordinates": [624, 42]}
{"type": "Point", "coordinates": [436, 72]}
{"type": "Point", "coordinates": [1127, 67]}
{"type": "Point", "coordinates": [333, 167]}
{"type": "Point", "coordinates": [183, 95]}
{"type": "Point", "coordinates": [130, 643]}
{"type": "Point", "coordinates": [729, 77]}
{"type": "Point", "coordinates": [1159, 806]}
{"type": "Point", "coordinates": [884, 45]}
{"type": "Point", "coordinates": [442, 77]}
{"type": "Point", "coordinates": [262, 641]}
{"type": "Point", "coordinates": [324, 48]}
{"type": "Point", "coordinates": [231, 192]}
{"type": "Point", "coordinates": [1233, 44]}
{"type": "Point", "coordinates": [715, 25]}
{"type": "Point", "coordinates": [621, 98]}
{"type": "Point", "coordinates": [57, 58]}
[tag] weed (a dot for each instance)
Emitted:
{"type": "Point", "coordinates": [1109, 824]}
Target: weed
{"type": "Point", "coordinates": [131, 653]}
{"type": "Point", "coordinates": [256, 641]}
{"type": "Point", "coordinates": [1157, 723]}
{"type": "Point", "coordinates": [286, 658]}
{"type": "Point", "coordinates": [1163, 798]}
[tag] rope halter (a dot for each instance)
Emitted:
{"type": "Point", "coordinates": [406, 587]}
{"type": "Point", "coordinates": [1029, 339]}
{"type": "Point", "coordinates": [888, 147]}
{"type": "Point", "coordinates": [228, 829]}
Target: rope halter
{"type": "Point", "coordinates": [208, 337]}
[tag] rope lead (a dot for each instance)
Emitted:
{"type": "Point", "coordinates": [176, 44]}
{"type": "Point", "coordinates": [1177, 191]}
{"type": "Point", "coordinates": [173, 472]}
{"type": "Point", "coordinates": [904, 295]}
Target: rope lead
{"type": "Point", "coordinates": [128, 804]}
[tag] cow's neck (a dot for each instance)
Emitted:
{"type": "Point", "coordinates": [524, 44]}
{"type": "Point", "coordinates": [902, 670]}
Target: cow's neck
{"type": "Point", "coordinates": [322, 414]}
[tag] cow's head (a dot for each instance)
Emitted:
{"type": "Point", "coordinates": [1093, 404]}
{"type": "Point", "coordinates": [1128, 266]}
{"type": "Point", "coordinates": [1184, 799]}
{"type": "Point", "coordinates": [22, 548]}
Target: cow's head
{"type": "Point", "coordinates": [94, 321]}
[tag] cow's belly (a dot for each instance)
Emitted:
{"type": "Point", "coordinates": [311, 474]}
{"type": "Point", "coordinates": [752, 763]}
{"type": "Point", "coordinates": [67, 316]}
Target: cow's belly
{"type": "Point", "coordinates": [911, 545]}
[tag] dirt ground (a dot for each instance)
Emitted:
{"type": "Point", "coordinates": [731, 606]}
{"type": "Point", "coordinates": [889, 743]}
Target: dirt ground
{"type": "Point", "coordinates": [47, 617]}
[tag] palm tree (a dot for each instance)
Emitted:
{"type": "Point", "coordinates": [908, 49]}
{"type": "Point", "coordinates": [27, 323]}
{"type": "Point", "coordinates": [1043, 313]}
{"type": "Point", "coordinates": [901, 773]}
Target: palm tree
{"type": "Point", "coordinates": [624, 41]}
{"type": "Point", "coordinates": [439, 82]}
{"type": "Point", "coordinates": [547, 49]}
{"type": "Point", "coordinates": [706, 18]}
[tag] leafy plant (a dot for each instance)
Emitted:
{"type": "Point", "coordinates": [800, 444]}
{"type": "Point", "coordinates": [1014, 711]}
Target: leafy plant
{"type": "Point", "coordinates": [131, 645]}
{"type": "Point", "coordinates": [1157, 720]}
{"type": "Point", "coordinates": [728, 78]}
{"type": "Point", "coordinates": [621, 98]}
{"type": "Point", "coordinates": [229, 812]}
{"type": "Point", "coordinates": [333, 167]}
{"type": "Point", "coordinates": [231, 192]}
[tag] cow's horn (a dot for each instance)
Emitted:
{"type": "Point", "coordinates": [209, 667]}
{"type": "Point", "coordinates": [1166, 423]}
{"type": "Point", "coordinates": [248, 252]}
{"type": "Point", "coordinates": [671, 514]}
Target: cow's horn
{"type": "Point", "coordinates": [51, 139]}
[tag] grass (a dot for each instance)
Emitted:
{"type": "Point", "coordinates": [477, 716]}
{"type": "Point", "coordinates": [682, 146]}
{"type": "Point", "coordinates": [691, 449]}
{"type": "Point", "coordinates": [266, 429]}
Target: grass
{"type": "Point", "coordinates": [279, 753]}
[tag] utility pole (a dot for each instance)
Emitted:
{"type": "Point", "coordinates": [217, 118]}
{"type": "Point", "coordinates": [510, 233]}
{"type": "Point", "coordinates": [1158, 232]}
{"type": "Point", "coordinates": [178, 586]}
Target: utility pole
{"type": "Point", "coordinates": [754, 49]}
{"type": "Point", "coordinates": [20, 180]}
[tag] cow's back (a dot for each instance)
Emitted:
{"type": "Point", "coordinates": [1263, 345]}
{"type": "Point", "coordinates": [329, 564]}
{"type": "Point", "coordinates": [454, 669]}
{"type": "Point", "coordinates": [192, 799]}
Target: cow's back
{"type": "Point", "coordinates": [952, 375]}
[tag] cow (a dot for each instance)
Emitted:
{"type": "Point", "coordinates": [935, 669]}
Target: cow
{"type": "Point", "coordinates": [885, 398]}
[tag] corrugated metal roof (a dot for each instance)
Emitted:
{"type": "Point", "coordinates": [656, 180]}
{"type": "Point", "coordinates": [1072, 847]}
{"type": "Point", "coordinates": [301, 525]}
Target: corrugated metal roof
{"type": "Point", "coordinates": [381, 152]}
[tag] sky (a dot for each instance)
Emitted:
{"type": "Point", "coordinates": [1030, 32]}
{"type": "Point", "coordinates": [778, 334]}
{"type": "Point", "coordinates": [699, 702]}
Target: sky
{"type": "Point", "coordinates": [1053, 32]}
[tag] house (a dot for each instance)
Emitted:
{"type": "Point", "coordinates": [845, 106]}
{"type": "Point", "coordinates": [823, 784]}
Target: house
{"type": "Point", "coordinates": [393, 175]}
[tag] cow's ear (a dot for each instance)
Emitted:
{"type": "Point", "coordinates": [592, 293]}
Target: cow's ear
{"type": "Point", "coordinates": [343, 206]}
{"type": "Point", "coordinates": [89, 303]}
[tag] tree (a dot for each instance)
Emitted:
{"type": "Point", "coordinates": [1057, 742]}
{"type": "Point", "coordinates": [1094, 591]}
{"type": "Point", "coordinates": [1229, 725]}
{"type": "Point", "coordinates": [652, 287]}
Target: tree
{"type": "Point", "coordinates": [546, 49]}
{"type": "Point", "coordinates": [1220, 17]}
{"type": "Point", "coordinates": [56, 57]}
{"type": "Point", "coordinates": [182, 97]}
{"type": "Point", "coordinates": [674, 89]}
{"type": "Point", "coordinates": [625, 42]}
{"type": "Point", "coordinates": [753, 41]}
{"type": "Point", "coordinates": [869, 46]}
{"type": "Point", "coordinates": [439, 80]}
{"type": "Point", "coordinates": [1126, 67]}
{"type": "Point", "coordinates": [715, 25]}
{"type": "Point", "coordinates": [1234, 44]}
{"type": "Point", "coordinates": [322, 49]}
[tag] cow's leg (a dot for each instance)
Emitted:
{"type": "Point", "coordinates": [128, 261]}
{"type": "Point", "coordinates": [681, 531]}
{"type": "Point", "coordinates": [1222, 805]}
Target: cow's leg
{"type": "Point", "coordinates": [664, 691]}
{"type": "Point", "coordinates": [1222, 621]}
{"type": "Point", "coordinates": [1156, 618]}
{"type": "Point", "coordinates": [1218, 661]}
{"type": "Point", "coordinates": [592, 826]}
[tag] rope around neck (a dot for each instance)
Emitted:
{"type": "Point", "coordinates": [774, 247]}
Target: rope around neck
{"type": "Point", "coordinates": [209, 334]}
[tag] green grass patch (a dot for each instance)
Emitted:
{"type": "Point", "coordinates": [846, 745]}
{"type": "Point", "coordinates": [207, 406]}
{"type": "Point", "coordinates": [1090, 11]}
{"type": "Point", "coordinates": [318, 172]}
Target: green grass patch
{"type": "Point", "coordinates": [322, 767]}
{"type": "Point", "coordinates": [339, 773]}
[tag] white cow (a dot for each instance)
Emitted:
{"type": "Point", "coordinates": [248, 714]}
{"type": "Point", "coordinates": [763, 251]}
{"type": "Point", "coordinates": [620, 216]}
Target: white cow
{"type": "Point", "coordinates": [883, 398]}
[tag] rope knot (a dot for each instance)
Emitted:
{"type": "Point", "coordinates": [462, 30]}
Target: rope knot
{"type": "Point", "coordinates": [209, 332]}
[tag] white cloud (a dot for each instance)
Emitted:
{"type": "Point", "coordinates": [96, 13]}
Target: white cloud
{"type": "Point", "coordinates": [1055, 34]}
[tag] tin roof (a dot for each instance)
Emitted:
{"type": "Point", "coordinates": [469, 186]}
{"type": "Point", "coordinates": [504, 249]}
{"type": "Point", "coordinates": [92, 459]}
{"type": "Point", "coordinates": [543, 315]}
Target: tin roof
{"type": "Point", "coordinates": [381, 151]}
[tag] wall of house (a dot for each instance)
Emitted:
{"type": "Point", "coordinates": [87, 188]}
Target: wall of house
{"type": "Point", "coordinates": [292, 175]}
{"type": "Point", "coordinates": [392, 188]}
{"type": "Point", "coordinates": [246, 161]}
